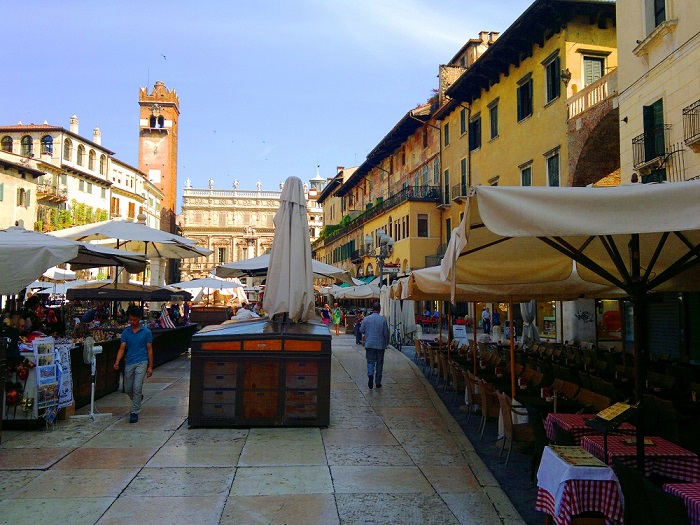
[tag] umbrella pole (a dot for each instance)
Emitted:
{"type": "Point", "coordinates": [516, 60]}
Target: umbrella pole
{"type": "Point", "coordinates": [641, 352]}
{"type": "Point", "coordinates": [512, 348]}
{"type": "Point", "coordinates": [474, 328]}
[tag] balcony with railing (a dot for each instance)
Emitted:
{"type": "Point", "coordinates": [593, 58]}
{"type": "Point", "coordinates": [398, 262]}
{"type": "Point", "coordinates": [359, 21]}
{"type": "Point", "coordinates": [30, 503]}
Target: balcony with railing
{"type": "Point", "coordinates": [649, 148]}
{"type": "Point", "coordinates": [50, 193]}
{"type": "Point", "coordinates": [691, 124]}
{"type": "Point", "coordinates": [459, 192]}
{"type": "Point", "coordinates": [593, 94]}
{"type": "Point", "coordinates": [410, 193]}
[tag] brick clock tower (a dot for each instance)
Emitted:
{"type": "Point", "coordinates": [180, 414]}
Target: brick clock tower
{"type": "Point", "coordinates": [159, 113]}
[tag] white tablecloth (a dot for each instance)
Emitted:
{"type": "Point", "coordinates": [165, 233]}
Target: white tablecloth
{"type": "Point", "coordinates": [554, 472]}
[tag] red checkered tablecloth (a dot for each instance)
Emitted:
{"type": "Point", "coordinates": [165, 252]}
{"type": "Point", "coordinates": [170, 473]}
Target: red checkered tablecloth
{"type": "Point", "coordinates": [576, 425]}
{"type": "Point", "coordinates": [663, 457]}
{"type": "Point", "coordinates": [690, 492]}
{"type": "Point", "coordinates": [581, 496]}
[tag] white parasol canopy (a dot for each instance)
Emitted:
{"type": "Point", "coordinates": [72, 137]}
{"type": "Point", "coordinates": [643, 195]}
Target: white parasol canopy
{"type": "Point", "coordinates": [258, 267]}
{"type": "Point", "coordinates": [59, 274]}
{"type": "Point", "coordinates": [136, 237]}
{"type": "Point", "coordinates": [209, 285]}
{"type": "Point", "coordinates": [25, 255]}
{"type": "Point", "coordinates": [365, 291]}
{"type": "Point", "coordinates": [290, 283]}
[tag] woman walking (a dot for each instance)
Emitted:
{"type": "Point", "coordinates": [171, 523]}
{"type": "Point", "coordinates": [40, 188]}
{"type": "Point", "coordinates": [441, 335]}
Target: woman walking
{"type": "Point", "coordinates": [337, 315]}
{"type": "Point", "coordinates": [326, 314]}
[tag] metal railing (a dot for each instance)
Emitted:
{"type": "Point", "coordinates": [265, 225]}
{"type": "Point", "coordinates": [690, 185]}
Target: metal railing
{"type": "Point", "coordinates": [459, 190]}
{"type": "Point", "coordinates": [650, 145]}
{"type": "Point", "coordinates": [593, 94]}
{"type": "Point", "coordinates": [48, 190]}
{"type": "Point", "coordinates": [410, 193]}
{"type": "Point", "coordinates": [691, 123]}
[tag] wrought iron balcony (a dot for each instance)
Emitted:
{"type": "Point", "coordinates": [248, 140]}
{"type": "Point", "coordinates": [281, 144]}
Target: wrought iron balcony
{"type": "Point", "coordinates": [47, 192]}
{"type": "Point", "coordinates": [691, 123]}
{"type": "Point", "coordinates": [650, 147]}
{"type": "Point", "coordinates": [410, 193]}
{"type": "Point", "coordinates": [459, 192]}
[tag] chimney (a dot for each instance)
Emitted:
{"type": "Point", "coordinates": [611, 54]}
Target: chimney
{"type": "Point", "coordinates": [484, 37]}
{"type": "Point", "coordinates": [97, 135]}
{"type": "Point", "coordinates": [74, 124]}
{"type": "Point", "coordinates": [493, 35]}
{"type": "Point", "coordinates": [339, 169]}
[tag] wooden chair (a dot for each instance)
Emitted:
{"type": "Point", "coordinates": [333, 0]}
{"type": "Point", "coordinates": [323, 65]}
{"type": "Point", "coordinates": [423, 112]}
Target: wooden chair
{"type": "Point", "coordinates": [489, 404]}
{"type": "Point", "coordinates": [458, 382]}
{"type": "Point", "coordinates": [512, 432]}
{"type": "Point", "coordinates": [444, 371]}
{"type": "Point", "coordinates": [419, 350]}
{"type": "Point", "coordinates": [562, 437]}
{"type": "Point", "coordinates": [541, 439]}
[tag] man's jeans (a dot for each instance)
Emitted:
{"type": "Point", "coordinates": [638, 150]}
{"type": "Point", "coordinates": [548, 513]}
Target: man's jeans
{"type": "Point", "coordinates": [133, 384]}
{"type": "Point", "coordinates": [375, 363]}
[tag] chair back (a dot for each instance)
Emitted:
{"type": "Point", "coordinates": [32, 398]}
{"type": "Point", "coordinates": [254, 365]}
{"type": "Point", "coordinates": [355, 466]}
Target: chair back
{"type": "Point", "coordinates": [562, 437]}
{"type": "Point", "coordinates": [506, 416]}
{"type": "Point", "coordinates": [488, 398]}
{"type": "Point", "coordinates": [637, 506]}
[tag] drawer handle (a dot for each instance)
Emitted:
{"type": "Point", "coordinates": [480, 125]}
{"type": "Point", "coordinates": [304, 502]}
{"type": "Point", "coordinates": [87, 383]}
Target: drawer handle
{"type": "Point", "coordinates": [220, 377]}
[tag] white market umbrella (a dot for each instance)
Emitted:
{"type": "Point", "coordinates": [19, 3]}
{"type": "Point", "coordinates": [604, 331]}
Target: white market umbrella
{"type": "Point", "coordinates": [641, 238]}
{"type": "Point", "coordinates": [290, 282]}
{"type": "Point", "coordinates": [258, 267]}
{"type": "Point", "coordinates": [59, 274]}
{"type": "Point", "coordinates": [365, 291]}
{"type": "Point", "coordinates": [206, 286]}
{"type": "Point", "coordinates": [408, 318]}
{"type": "Point", "coordinates": [25, 255]}
{"type": "Point", "coordinates": [137, 237]}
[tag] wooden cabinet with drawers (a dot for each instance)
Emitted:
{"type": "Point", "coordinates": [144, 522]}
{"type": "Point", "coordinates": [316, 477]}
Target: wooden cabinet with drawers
{"type": "Point", "coordinates": [259, 373]}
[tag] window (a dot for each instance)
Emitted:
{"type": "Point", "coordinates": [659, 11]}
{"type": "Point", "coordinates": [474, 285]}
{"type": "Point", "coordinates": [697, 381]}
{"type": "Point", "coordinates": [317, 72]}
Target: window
{"type": "Point", "coordinates": [436, 171]}
{"type": "Point", "coordinates": [152, 122]}
{"type": "Point", "coordinates": [524, 98]}
{"type": "Point", "coordinates": [47, 144]}
{"type": "Point", "coordinates": [446, 193]}
{"type": "Point", "coordinates": [553, 79]}
{"type": "Point", "coordinates": [2, 192]}
{"type": "Point", "coordinates": [27, 146]}
{"type": "Point", "coordinates": [91, 160]}
{"type": "Point", "coordinates": [425, 136]}
{"type": "Point", "coordinates": [446, 133]}
{"type": "Point", "coordinates": [64, 178]}
{"type": "Point", "coordinates": [463, 121]}
{"type": "Point", "coordinates": [103, 164]}
{"type": "Point", "coordinates": [67, 149]}
{"type": "Point", "coordinates": [493, 120]}
{"type": "Point", "coordinates": [426, 173]}
{"type": "Point", "coordinates": [132, 211]}
{"type": "Point", "coordinates": [659, 12]}
{"type": "Point", "coordinates": [88, 189]}
{"type": "Point", "coordinates": [81, 155]}
{"type": "Point", "coordinates": [526, 175]}
{"type": "Point", "coordinates": [81, 185]}
{"type": "Point", "coordinates": [6, 143]}
{"type": "Point", "coordinates": [161, 121]}
{"type": "Point", "coordinates": [593, 69]}
{"type": "Point", "coordinates": [654, 139]}
{"type": "Point", "coordinates": [448, 229]}
{"type": "Point", "coordinates": [103, 193]}
{"type": "Point", "coordinates": [463, 175]}
{"type": "Point", "coordinates": [422, 225]}
{"type": "Point", "coordinates": [475, 133]}
{"type": "Point", "coordinates": [221, 255]}
{"type": "Point", "coordinates": [553, 170]}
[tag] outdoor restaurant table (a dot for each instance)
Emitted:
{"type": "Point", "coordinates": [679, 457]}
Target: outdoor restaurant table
{"type": "Point", "coordinates": [571, 481]}
{"type": "Point", "coordinates": [662, 457]}
{"type": "Point", "coordinates": [575, 424]}
{"type": "Point", "coordinates": [690, 492]}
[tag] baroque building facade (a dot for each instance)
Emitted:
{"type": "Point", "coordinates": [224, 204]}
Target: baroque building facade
{"type": "Point", "coordinates": [236, 224]}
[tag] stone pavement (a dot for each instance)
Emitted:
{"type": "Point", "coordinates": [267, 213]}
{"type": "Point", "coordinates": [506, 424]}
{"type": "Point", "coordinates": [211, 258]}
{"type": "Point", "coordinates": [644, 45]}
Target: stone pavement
{"type": "Point", "coordinates": [390, 456]}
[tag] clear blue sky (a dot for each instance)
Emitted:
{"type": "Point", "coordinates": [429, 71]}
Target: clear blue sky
{"type": "Point", "coordinates": [268, 88]}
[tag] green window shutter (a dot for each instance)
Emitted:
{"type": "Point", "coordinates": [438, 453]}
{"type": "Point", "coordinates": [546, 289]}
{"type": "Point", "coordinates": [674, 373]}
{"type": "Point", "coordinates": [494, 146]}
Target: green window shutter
{"type": "Point", "coordinates": [28, 200]}
{"type": "Point", "coordinates": [2, 191]}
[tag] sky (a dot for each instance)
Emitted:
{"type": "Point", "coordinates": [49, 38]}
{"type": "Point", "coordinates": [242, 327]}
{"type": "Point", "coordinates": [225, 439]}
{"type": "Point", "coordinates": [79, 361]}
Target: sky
{"type": "Point", "coordinates": [267, 88]}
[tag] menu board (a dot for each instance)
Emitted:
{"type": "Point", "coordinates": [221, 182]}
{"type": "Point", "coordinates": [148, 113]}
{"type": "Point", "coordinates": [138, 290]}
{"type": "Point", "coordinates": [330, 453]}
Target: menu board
{"type": "Point", "coordinates": [577, 457]}
{"type": "Point", "coordinates": [614, 411]}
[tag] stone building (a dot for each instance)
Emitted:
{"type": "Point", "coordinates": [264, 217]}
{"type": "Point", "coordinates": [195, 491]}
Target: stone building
{"type": "Point", "coordinates": [236, 224]}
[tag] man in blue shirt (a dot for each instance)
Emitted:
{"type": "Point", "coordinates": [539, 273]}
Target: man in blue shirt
{"type": "Point", "coordinates": [376, 331]}
{"type": "Point", "coordinates": [137, 341]}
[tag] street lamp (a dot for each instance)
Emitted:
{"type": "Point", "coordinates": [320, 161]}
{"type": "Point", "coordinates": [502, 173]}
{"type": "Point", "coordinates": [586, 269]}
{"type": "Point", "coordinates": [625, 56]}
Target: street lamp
{"type": "Point", "coordinates": [381, 251]}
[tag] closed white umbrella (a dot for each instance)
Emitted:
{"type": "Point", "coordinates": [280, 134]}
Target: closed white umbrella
{"type": "Point", "coordinates": [290, 282]}
{"type": "Point", "coordinates": [408, 316]}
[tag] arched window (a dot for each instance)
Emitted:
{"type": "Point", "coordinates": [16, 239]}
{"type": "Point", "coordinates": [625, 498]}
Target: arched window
{"type": "Point", "coordinates": [161, 121]}
{"type": "Point", "coordinates": [91, 159]}
{"type": "Point", "coordinates": [81, 155]}
{"type": "Point", "coordinates": [370, 269]}
{"type": "Point", "coordinates": [27, 146]}
{"type": "Point", "coordinates": [6, 143]}
{"type": "Point", "coordinates": [47, 144]}
{"type": "Point", "coordinates": [152, 122]}
{"type": "Point", "coordinates": [67, 149]}
{"type": "Point", "coordinates": [103, 164]}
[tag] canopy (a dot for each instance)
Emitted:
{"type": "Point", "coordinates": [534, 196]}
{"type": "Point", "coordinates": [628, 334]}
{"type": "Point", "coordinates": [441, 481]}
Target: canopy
{"type": "Point", "coordinates": [209, 285]}
{"type": "Point", "coordinates": [59, 274]}
{"type": "Point", "coordinates": [106, 290]}
{"type": "Point", "coordinates": [290, 283]}
{"type": "Point", "coordinates": [640, 238]}
{"type": "Point", "coordinates": [365, 291]}
{"type": "Point", "coordinates": [258, 267]}
{"type": "Point", "coordinates": [136, 237]}
{"type": "Point", "coordinates": [25, 255]}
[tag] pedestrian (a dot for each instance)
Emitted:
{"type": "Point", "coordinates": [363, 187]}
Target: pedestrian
{"type": "Point", "coordinates": [326, 314]}
{"type": "Point", "coordinates": [337, 315]}
{"type": "Point", "coordinates": [358, 323]}
{"type": "Point", "coordinates": [376, 331]}
{"type": "Point", "coordinates": [137, 342]}
{"type": "Point", "coordinates": [496, 318]}
{"type": "Point", "coordinates": [486, 318]}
